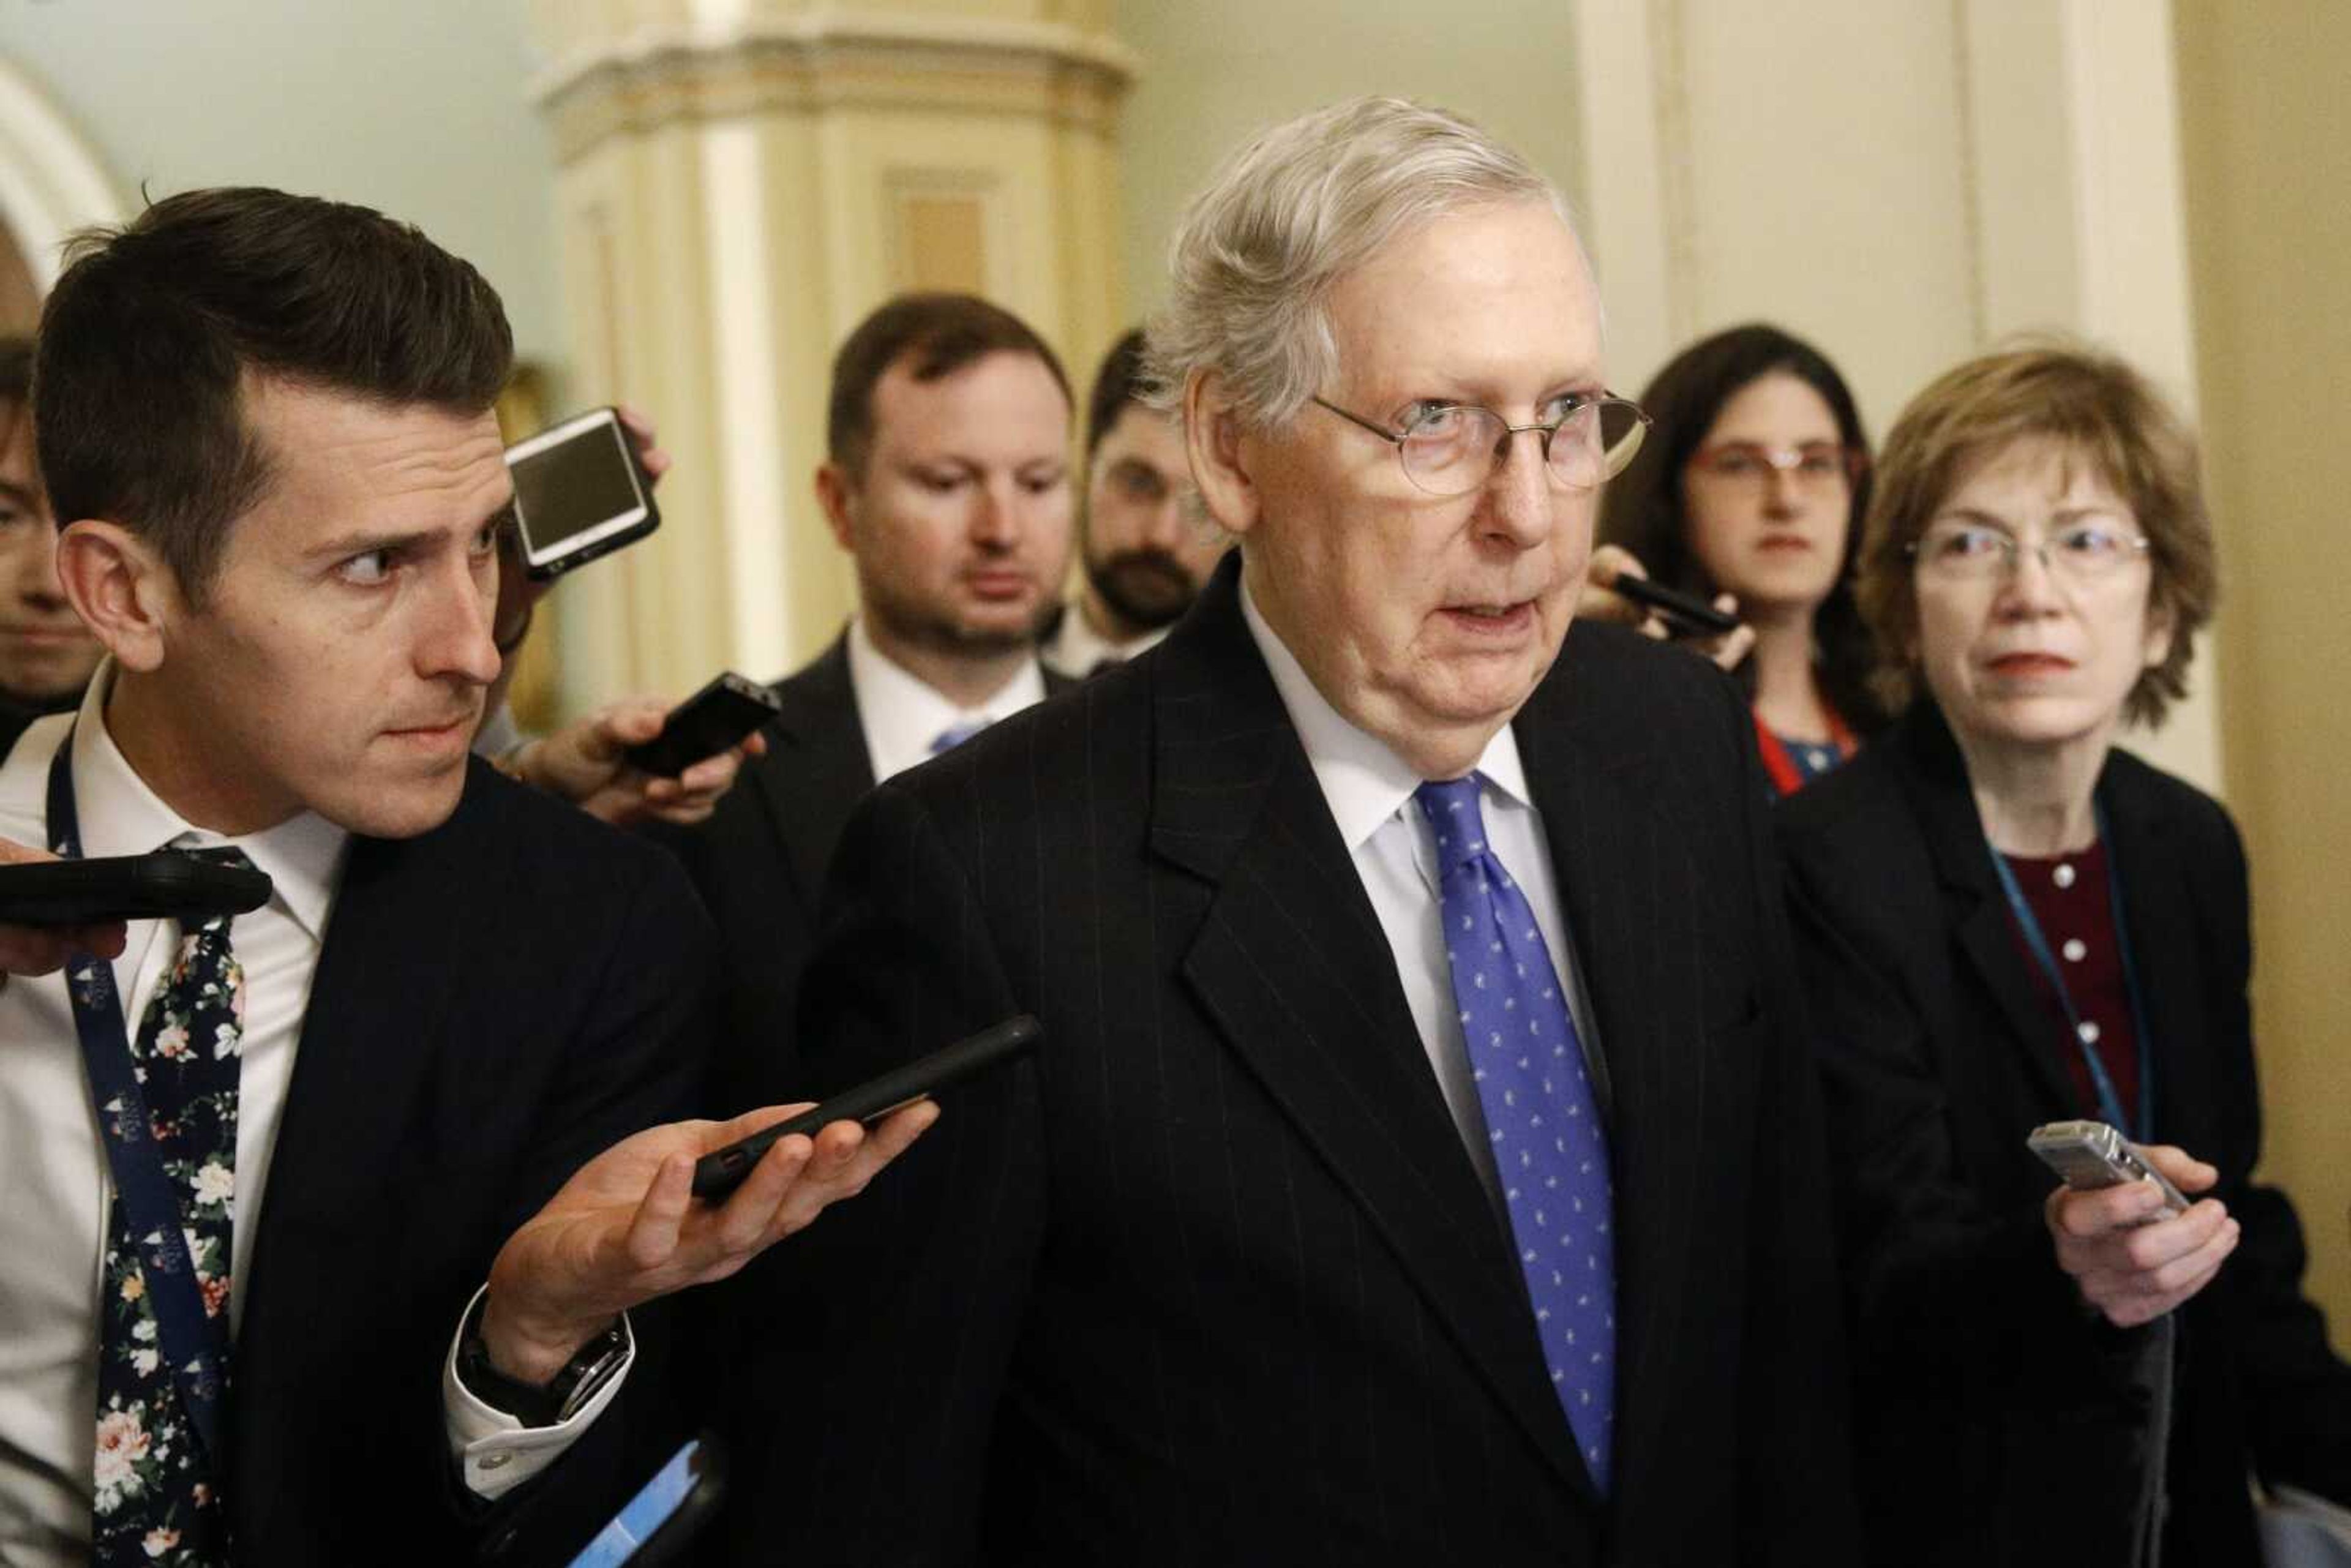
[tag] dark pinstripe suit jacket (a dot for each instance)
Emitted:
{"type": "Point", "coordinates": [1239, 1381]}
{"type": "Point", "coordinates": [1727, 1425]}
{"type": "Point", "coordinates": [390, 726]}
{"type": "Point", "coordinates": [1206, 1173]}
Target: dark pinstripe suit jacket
{"type": "Point", "coordinates": [1214, 1281]}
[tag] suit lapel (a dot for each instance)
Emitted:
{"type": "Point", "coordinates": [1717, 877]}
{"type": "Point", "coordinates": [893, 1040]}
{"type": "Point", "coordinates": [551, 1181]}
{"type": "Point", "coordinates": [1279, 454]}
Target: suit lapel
{"type": "Point", "coordinates": [819, 769]}
{"type": "Point", "coordinates": [1630, 892]}
{"type": "Point", "coordinates": [1291, 965]}
{"type": "Point", "coordinates": [390, 972]}
{"type": "Point", "coordinates": [2167, 958]}
{"type": "Point", "coordinates": [1978, 910]}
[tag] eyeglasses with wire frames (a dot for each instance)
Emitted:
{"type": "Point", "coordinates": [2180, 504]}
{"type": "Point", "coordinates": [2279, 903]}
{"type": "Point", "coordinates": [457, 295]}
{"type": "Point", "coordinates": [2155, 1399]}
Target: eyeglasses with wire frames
{"type": "Point", "coordinates": [1811, 467]}
{"type": "Point", "coordinates": [1453, 448]}
{"type": "Point", "coordinates": [2087, 551]}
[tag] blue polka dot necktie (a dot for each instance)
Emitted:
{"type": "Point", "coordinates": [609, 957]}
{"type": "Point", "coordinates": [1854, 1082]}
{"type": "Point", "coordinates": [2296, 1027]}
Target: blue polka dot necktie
{"type": "Point", "coordinates": [1550, 1153]}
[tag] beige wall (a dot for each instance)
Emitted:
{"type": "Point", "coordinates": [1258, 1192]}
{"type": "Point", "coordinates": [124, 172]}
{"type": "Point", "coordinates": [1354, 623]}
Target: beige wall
{"type": "Point", "coordinates": [416, 108]}
{"type": "Point", "coordinates": [1215, 71]}
{"type": "Point", "coordinates": [2268, 167]}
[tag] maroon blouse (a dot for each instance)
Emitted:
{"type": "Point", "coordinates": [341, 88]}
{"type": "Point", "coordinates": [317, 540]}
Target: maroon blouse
{"type": "Point", "coordinates": [2069, 896]}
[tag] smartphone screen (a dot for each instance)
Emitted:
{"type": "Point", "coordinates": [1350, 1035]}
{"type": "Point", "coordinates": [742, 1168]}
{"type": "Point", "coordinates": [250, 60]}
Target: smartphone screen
{"type": "Point", "coordinates": [575, 485]}
{"type": "Point", "coordinates": [656, 1502]}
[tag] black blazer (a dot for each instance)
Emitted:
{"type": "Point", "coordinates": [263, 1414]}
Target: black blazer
{"type": "Point", "coordinates": [496, 1001]}
{"type": "Point", "coordinates": [1994, 1414]}
{"type": "Point", "coordinates": [759, 860]}
{"type": "Point", "coordinates": [1215, 1280]}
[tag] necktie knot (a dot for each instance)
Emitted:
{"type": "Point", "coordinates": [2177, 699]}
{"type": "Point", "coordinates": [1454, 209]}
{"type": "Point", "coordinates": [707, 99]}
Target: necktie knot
{"type": "Point", "coordinates": [1453, 817]}
{"type": "Point", "coordinates": [956, 733]}
{"type": "Point", "coordinates": [227, 855]}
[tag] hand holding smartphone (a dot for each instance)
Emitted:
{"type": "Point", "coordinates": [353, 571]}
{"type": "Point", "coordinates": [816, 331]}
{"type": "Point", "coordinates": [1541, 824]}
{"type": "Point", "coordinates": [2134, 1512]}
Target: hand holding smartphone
{"type": "Point", "coordinates": [2090, 1157]}
{"type": "Point", "coordinates": [580, 491]}
{"type": "Point", "coordinates": [1685, 615]}
{"type": "Point", "coordinates": [715, 719]}
{"type": "Point", "coordinates": [716, 1175]}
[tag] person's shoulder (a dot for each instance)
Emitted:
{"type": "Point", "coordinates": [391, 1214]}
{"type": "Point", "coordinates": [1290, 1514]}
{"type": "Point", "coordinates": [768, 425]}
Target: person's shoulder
{"type": "Point", "coordinates": [1867, 788]}
{"type": "Point", "coordinates": [2171, 807]}
{"type": "Point", "coordinates": [1054, 756]}
{"type": "Point", "coordinates": [530, 846]}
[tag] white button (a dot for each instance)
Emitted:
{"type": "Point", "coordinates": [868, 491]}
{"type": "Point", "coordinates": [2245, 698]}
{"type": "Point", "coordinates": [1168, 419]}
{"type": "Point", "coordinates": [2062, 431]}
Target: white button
{"type": "Point", "coordinates": [2075, 949]}
{"type": "Point", "coordinates": [494, 1461]}
{"type": "Point", "coordinates": [2089, 1032]}
{"type": "Point", "coordinates": [2063, 876]}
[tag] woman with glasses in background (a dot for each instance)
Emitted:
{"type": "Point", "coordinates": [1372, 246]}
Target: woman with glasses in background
{"type": "Point", "coordinates": [2004, 921]}
{"type": "Point", "coordinates": [1752, 483]}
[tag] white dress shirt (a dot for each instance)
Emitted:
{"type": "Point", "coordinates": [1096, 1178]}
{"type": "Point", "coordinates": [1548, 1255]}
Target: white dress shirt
{"type": "Point", "coordinates": [1370, 792]}
{"type": "Point", "coordinates": [1076, 648]}
{"type": "Point", "coordinates": [53, 1166]}
{"type": "Point", "coordinates": [904, 714]}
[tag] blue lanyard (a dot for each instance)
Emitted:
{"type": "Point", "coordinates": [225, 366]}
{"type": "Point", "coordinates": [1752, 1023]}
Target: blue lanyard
{"type": "Point", "coordinates": [2110, 1104]}
{"type": "Point", "coordinates": [196, 1348]}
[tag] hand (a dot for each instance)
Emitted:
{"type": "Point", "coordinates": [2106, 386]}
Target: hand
{"type": "Point", "coordinates": [651, 458]}
{"type": "Point", "coordinates": [2129, 1264]}
{"type": "Point", "coordinates": [627, 1228]}
{"type": "Point", "coordinates": [584, 763]}
{"type": "Point", "coordinates": [1601, 601]}
{"type": "Point", "coordinates": [40, 949]}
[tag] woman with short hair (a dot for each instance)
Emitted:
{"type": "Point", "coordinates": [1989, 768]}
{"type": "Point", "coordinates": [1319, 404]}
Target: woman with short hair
{"type": "Point", "coordinates": [2006, 921]}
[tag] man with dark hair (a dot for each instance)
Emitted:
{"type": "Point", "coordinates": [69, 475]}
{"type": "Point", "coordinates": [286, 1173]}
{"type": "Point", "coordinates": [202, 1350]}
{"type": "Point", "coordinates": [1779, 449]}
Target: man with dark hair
{"type": "Point", "coordinates": [46, 655]}
{"type": "Point", "coordinates": [266, 419]}
{"type": "Point", "coordinates": [1144, 544]}
{"type": "Point", "coordinates": [948, 482]}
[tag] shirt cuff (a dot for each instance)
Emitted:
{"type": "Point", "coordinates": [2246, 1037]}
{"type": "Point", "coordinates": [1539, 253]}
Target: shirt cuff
{"type": "Point", "coordinates": [495, 1451]}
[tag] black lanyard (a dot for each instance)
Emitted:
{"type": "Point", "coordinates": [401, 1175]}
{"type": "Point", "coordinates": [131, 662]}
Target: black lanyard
{"type": "Point", "coordinates": [194, 1346]}
{"type": "Point", "coordinates": [2110, 1105]}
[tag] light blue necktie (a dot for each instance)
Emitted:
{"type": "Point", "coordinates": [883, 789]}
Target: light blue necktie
{"type": "Point", "coordinates": [1550, 1150]}
{"type": "Point", "coordinates": [954, 734]}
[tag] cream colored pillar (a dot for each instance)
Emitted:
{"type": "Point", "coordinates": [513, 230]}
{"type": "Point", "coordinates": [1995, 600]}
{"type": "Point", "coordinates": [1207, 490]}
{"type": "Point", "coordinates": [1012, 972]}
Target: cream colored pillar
{"type": "Point", "coordinates": [741, 180]}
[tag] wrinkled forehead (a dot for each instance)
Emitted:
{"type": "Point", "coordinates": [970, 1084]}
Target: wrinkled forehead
{"type": "Point", "coordinates": [1495, 297]}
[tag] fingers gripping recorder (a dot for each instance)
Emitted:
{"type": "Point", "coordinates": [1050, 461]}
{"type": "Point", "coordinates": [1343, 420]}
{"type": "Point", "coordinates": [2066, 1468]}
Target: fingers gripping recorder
{"type": "Point", "coordinates": [2089, 1155]}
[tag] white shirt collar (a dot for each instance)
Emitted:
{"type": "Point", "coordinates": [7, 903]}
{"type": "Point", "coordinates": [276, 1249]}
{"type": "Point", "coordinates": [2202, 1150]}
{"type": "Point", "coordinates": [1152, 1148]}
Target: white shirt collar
{"type": "Point", "coordinates": [1077, 647]}
{"type": "Point", "coordinates": [1363, 779]}
{"type": "Point", "coordinates": [120, 815]}
{"type": "Point", "coordinates": [903, 714]}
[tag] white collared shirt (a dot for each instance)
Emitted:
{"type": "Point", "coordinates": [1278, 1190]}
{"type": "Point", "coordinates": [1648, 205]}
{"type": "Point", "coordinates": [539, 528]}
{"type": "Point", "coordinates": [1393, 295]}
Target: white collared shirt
{"type": "Point", "coordinates": [53, 1166]}
{"type": "Point", "coordinates": [903, 715]}
{"type": "Point", "coordinates": [1076, 649]}
{"type": "Point", "coordinates": [1370, 792]}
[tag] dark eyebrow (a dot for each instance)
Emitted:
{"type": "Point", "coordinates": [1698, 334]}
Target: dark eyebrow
{"type": "Point", "coordinates": [344, 546]}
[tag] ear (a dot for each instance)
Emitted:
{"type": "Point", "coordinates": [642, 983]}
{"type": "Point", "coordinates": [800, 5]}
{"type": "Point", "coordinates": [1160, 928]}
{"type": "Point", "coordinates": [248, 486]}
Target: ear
{"type": "Point", "coordinates": [2159, 633]}
{"type": "Point", "coordinates": [122, 590]}
{"type": "Point", "coordinates": [835, 492]}
{"type": "Point", "coordinates": [1213, 432]}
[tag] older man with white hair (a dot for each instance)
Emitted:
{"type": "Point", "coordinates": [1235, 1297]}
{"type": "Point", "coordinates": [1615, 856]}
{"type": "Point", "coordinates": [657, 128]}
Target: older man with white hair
{"type": "Point", "coordinates": [1423, 1162]}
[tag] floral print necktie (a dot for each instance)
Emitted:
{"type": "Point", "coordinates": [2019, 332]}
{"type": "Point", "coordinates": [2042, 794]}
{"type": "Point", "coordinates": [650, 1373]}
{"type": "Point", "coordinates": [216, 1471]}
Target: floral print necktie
{"type": "Point", "coordinates": [158, 1492]}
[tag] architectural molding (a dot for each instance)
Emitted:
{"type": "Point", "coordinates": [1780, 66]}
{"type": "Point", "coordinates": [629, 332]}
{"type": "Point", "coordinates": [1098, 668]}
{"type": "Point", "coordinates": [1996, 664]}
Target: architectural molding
{"type": "Point", "coordinates": [660, 74]}
{"type": "Point", "coordinates": [52, 181]}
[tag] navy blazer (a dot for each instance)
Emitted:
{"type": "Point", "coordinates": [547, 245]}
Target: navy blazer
{"type": "Point", "coordinates": [496, 1001]}
{"type": "Point", "coordinates": [1997, 1418]}
{"type": "Point", "coordinates": [1214, 1279]}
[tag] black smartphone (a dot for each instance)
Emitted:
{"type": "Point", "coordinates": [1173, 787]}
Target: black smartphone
{"type": "Point", "coordinates": [1685, 615]}
{"type": "Point", "coordinates": [705, 723]}
{"type": "Point", "coordinates": [667, 1511]}
{"type": "Point", "coordinates": [165, 885]}
{"type": "Point", "coordinates": [579, 492]}
{"type": "Point", "coordinates": [716, 1175]}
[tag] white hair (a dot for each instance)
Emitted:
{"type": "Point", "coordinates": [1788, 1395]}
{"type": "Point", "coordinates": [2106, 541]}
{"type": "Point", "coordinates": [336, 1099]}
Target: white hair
{"type": "Point", "coordinates": [1259, 251]}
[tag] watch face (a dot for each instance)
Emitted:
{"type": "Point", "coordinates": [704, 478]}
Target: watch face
{"type": "Point", "coordinates": [598, 1362]}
